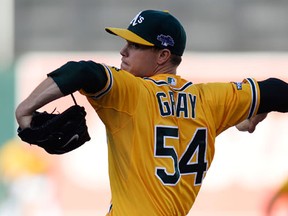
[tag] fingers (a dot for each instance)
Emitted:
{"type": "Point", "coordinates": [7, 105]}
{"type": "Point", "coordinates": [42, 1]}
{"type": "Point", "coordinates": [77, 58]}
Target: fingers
{"type": "Point", "coordinates": [243, 126]}
{"type": "Point", "coordinates": [250, 124]}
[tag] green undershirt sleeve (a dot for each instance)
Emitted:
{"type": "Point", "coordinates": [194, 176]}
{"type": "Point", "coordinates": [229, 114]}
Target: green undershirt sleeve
{"type": "Point", "coordinates": [73, 76]}
{"type": "Point", "coordinates": [273, 96]}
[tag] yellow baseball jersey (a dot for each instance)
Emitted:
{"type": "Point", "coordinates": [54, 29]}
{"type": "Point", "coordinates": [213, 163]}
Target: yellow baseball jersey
{"type": "Point", "coordinates": [161, 132]}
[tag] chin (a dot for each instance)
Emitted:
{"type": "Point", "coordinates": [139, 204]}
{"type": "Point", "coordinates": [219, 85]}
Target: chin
{"type": "Point", "coordinates": [124, 67]}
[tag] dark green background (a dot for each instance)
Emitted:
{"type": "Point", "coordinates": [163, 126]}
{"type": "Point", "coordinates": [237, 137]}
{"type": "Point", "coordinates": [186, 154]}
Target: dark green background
{"type": "Point", "coordinates": [7, 104]}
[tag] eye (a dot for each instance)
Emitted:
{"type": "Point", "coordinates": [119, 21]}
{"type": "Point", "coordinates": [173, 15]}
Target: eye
{"type": "Point", "coordinates": [134, 45]}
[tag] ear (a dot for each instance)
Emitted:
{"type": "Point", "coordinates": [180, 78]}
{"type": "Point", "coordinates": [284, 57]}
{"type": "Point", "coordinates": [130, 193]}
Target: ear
{"type": "Point", "coordinates": [163, 56]}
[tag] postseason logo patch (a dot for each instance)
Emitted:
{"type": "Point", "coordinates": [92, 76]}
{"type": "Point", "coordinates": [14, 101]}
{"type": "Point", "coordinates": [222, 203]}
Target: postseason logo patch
{"type": "Point", "coordinates": [238, 85]}
{"type": "Point", "coordinates": [166, 40]}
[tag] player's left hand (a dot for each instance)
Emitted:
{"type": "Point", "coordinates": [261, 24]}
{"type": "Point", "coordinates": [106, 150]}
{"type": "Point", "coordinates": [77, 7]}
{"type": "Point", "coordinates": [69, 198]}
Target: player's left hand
{"type": "Point", "coordinates": [250, 124]}
{"type": "Point", "coordinates": [57, 133]}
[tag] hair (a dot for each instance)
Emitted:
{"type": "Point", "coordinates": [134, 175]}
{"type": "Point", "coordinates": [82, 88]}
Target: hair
{"type": "Point", "coordinates": [175, 59]}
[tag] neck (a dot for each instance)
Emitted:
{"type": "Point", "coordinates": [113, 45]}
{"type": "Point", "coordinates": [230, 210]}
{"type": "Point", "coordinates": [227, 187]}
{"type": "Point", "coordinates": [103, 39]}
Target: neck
{"type": "Point", "coordinates": [165, 69]}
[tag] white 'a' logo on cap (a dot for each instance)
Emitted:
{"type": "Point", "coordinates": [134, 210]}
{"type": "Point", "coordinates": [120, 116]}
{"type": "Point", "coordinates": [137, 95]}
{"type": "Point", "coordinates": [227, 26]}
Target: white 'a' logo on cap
{"type": "Point", "coordinates": [137, 19]}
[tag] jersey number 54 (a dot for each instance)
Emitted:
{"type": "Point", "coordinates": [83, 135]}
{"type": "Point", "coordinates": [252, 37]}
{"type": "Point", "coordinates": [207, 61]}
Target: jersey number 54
{"type": "Point", "coordinates": [183, 166]}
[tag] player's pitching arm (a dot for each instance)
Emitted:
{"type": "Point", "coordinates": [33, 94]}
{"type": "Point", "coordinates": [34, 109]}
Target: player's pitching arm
{"type": "Point", "coordinates": [273, 97]}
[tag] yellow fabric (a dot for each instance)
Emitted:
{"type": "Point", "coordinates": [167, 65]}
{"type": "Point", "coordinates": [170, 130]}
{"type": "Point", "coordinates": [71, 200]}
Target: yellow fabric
{"type": "Point", "coordinates": [161, 133]}
{"type": "Point", "coordinates": [129, 36]}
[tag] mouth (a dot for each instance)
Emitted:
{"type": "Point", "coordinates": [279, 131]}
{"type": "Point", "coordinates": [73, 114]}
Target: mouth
{"type": "Point", "coordinates": [124, 64]}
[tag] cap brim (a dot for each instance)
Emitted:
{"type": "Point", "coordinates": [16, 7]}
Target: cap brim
{"type": "Point", "coordinates": [128, 35]}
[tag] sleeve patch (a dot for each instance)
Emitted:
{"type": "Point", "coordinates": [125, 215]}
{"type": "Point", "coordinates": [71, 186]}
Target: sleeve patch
{"type": "Point", "coordinates": [238, 85]}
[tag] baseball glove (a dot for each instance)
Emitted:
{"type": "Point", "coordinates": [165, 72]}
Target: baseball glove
{"type": "Point", "coordinates": [57, 133]}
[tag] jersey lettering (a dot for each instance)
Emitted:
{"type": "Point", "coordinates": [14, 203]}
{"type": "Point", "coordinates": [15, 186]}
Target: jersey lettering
{"type": "Point", "coordinates": [184, 106]}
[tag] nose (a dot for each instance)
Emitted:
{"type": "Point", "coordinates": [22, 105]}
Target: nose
{"type": "Point", "coordinates": [124, 51]}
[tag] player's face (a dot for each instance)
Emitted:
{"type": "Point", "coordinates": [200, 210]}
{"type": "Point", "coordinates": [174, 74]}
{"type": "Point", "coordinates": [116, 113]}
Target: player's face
{"type": "Point", "coordinates": [138, 59]}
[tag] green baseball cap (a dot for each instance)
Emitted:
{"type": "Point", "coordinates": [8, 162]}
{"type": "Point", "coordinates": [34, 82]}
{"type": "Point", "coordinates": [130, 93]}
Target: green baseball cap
{"type": "Point", "coordinates": [154, 28]}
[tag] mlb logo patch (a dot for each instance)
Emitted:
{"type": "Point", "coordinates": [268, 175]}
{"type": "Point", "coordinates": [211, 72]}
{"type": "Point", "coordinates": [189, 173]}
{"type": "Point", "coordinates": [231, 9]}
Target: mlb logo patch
{"type": "Point", "coordinates": [171, 81]}
{"type": "Point", "coordinates": [238, 85]}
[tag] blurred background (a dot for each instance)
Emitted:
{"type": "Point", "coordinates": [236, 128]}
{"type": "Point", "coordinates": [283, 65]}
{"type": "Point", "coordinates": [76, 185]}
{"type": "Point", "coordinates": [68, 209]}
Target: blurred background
{"type": "Point", "coordinates": [227, 40]}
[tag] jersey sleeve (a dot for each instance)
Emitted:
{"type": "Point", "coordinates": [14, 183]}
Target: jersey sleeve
{"type": "Point", "coordinates": [119, 87]}
{"type": "Point", "coordinates": [231, 103]}
{"type": "Point", "coordinates": [119, 98]}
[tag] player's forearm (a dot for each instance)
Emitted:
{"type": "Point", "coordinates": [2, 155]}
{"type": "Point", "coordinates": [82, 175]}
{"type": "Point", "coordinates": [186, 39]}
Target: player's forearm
{"type": "Point", "coordinates": [46, 92]}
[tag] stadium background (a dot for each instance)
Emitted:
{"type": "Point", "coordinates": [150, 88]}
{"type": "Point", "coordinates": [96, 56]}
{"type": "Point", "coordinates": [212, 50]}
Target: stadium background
{"type": "Point", "coordinates": [227, 41]}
